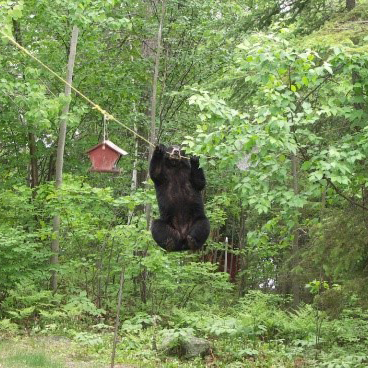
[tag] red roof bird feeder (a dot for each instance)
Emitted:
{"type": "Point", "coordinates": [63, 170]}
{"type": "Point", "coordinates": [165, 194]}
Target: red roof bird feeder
{"type": "Point", "coordinates": [105, 156]}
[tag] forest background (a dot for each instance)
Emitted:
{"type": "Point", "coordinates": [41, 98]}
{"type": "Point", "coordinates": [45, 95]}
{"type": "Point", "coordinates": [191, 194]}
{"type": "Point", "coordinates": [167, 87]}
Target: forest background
{"type": "Point", "coordinates": [272, 95]}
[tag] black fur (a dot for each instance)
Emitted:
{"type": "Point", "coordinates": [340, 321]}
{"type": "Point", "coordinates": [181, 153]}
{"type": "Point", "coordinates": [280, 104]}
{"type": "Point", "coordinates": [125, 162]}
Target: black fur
{"type": "Point", "coordinates": [178, 181]}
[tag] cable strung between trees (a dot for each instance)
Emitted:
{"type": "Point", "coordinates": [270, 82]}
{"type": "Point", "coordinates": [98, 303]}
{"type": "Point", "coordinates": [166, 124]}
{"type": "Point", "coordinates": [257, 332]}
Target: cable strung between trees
{"type": "Point", "coordinates": [94, 105]}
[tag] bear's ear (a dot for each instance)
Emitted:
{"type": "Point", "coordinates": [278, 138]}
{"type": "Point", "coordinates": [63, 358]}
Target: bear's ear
{"type": "Point", "coordinates": [160, 148]}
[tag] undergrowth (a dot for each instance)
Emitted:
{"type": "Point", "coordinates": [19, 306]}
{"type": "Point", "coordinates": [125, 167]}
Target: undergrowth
{"type": "Point", "coordinates": [257, 331]}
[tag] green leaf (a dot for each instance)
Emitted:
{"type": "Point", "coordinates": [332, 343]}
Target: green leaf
{"type": "Point", "coordinates": [327, 66]}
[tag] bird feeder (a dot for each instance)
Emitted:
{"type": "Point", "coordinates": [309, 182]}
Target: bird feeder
{"type": "Point", "coordinates": [105, 156]}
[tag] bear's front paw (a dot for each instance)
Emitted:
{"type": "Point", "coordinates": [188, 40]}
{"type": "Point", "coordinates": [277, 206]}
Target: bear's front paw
{"type": "Point", "coordinates": [194, 161]}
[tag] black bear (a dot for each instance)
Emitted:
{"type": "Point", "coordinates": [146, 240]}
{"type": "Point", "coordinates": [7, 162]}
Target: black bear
{"type": "Point", "coordinates": [178, 181]}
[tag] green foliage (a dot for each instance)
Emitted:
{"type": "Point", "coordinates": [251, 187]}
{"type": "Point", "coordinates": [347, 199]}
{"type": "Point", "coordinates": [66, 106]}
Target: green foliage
{"type": "Point", "coordinates": [80, 305]}
{"type": "Point", "coordinates": [273, 99]}
{"type": "Point", "coordinates": [139, 322]}
{"type": "Point", "coordinates": [177, 335]}
{"type": "Point", "coordinates": [25, 304]}
{"type": "Point", "coordinates": [315, 286]}
{"type": "Point", "coordinates": [85, 338]}
{"type": "Point", "coordinates": [7, 327]}
{"type": "Point", "coordinates": [22, 256]}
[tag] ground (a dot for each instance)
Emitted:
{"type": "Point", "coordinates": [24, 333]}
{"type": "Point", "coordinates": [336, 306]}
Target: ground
{"type": "Point", "coordinates": [46, 352]}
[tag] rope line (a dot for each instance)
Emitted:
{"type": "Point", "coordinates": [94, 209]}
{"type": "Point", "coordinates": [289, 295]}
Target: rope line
{"type": "Point", "coordinates": [94, 105]}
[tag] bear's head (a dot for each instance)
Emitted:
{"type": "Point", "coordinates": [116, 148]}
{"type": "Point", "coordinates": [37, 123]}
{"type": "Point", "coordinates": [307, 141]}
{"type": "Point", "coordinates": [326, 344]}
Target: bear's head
{"type": "Point", "coordinates": [175, 156]}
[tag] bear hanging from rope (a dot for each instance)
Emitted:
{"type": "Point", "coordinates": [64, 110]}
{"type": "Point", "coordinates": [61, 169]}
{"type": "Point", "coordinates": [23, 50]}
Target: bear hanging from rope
{"type": "Point", "coordinates": [178, 181]}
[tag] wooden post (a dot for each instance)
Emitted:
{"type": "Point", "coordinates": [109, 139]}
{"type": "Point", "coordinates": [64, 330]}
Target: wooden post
{"type": "Point", "coordinates": [117, 318]}
{"type": "Point", "coordinates": [226, 249]}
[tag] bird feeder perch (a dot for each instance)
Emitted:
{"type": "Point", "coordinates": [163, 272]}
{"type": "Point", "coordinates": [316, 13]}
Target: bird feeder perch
{"type": "Point", "coordinates": [105, 156]}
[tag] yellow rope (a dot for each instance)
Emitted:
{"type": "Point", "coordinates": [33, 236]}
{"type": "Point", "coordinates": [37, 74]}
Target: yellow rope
{"type": "Point", "coordinates": [95, 106]}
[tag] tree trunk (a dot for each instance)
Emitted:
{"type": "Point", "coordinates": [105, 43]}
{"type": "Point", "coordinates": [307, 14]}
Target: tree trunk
{"type": "Point", "coordinates": [33, 182]}
{"type": "Point", "coordinates": [33, 155]}
{"type": "Point", "coordinates": [51, 167]}
{"type": "Point", "coordinates": [323, 201]}
{"type": "Point", "coordinates": [60, 157]}
{"type": "Point", "coordinates": [295, 249]}
{"type": "Point", "coordinates": [134, 181]}
{"type": "Point", "coordinates": [152, 136]}
{"type": "Point", "coordinates": [242, 257]}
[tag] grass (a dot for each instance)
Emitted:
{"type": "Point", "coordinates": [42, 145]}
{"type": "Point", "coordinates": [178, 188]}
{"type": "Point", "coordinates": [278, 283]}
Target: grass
{"type": "Point", "coordinates": [48, 352]}
{"type": "Point", "coordinates": [29, 359]}
{"type": "Point", "coordinates": [17, 355]}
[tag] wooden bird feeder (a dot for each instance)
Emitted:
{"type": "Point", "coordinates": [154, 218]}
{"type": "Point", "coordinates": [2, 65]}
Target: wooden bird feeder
{"type": "Point", "coordinates": [105, 156]}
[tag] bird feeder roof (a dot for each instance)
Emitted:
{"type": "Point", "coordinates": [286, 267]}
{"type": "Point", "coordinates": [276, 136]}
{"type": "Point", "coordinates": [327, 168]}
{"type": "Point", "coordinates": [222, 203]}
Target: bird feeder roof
{"type": "Point", "coordinates": [113, 146]}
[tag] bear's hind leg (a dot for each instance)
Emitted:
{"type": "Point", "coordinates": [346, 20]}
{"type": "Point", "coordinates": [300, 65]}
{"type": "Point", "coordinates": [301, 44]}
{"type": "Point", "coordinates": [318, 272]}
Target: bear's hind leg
{"type": "Point", "coordinates": [198, 234]}
{"type": "Point", "coordinates": [166, 236]}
